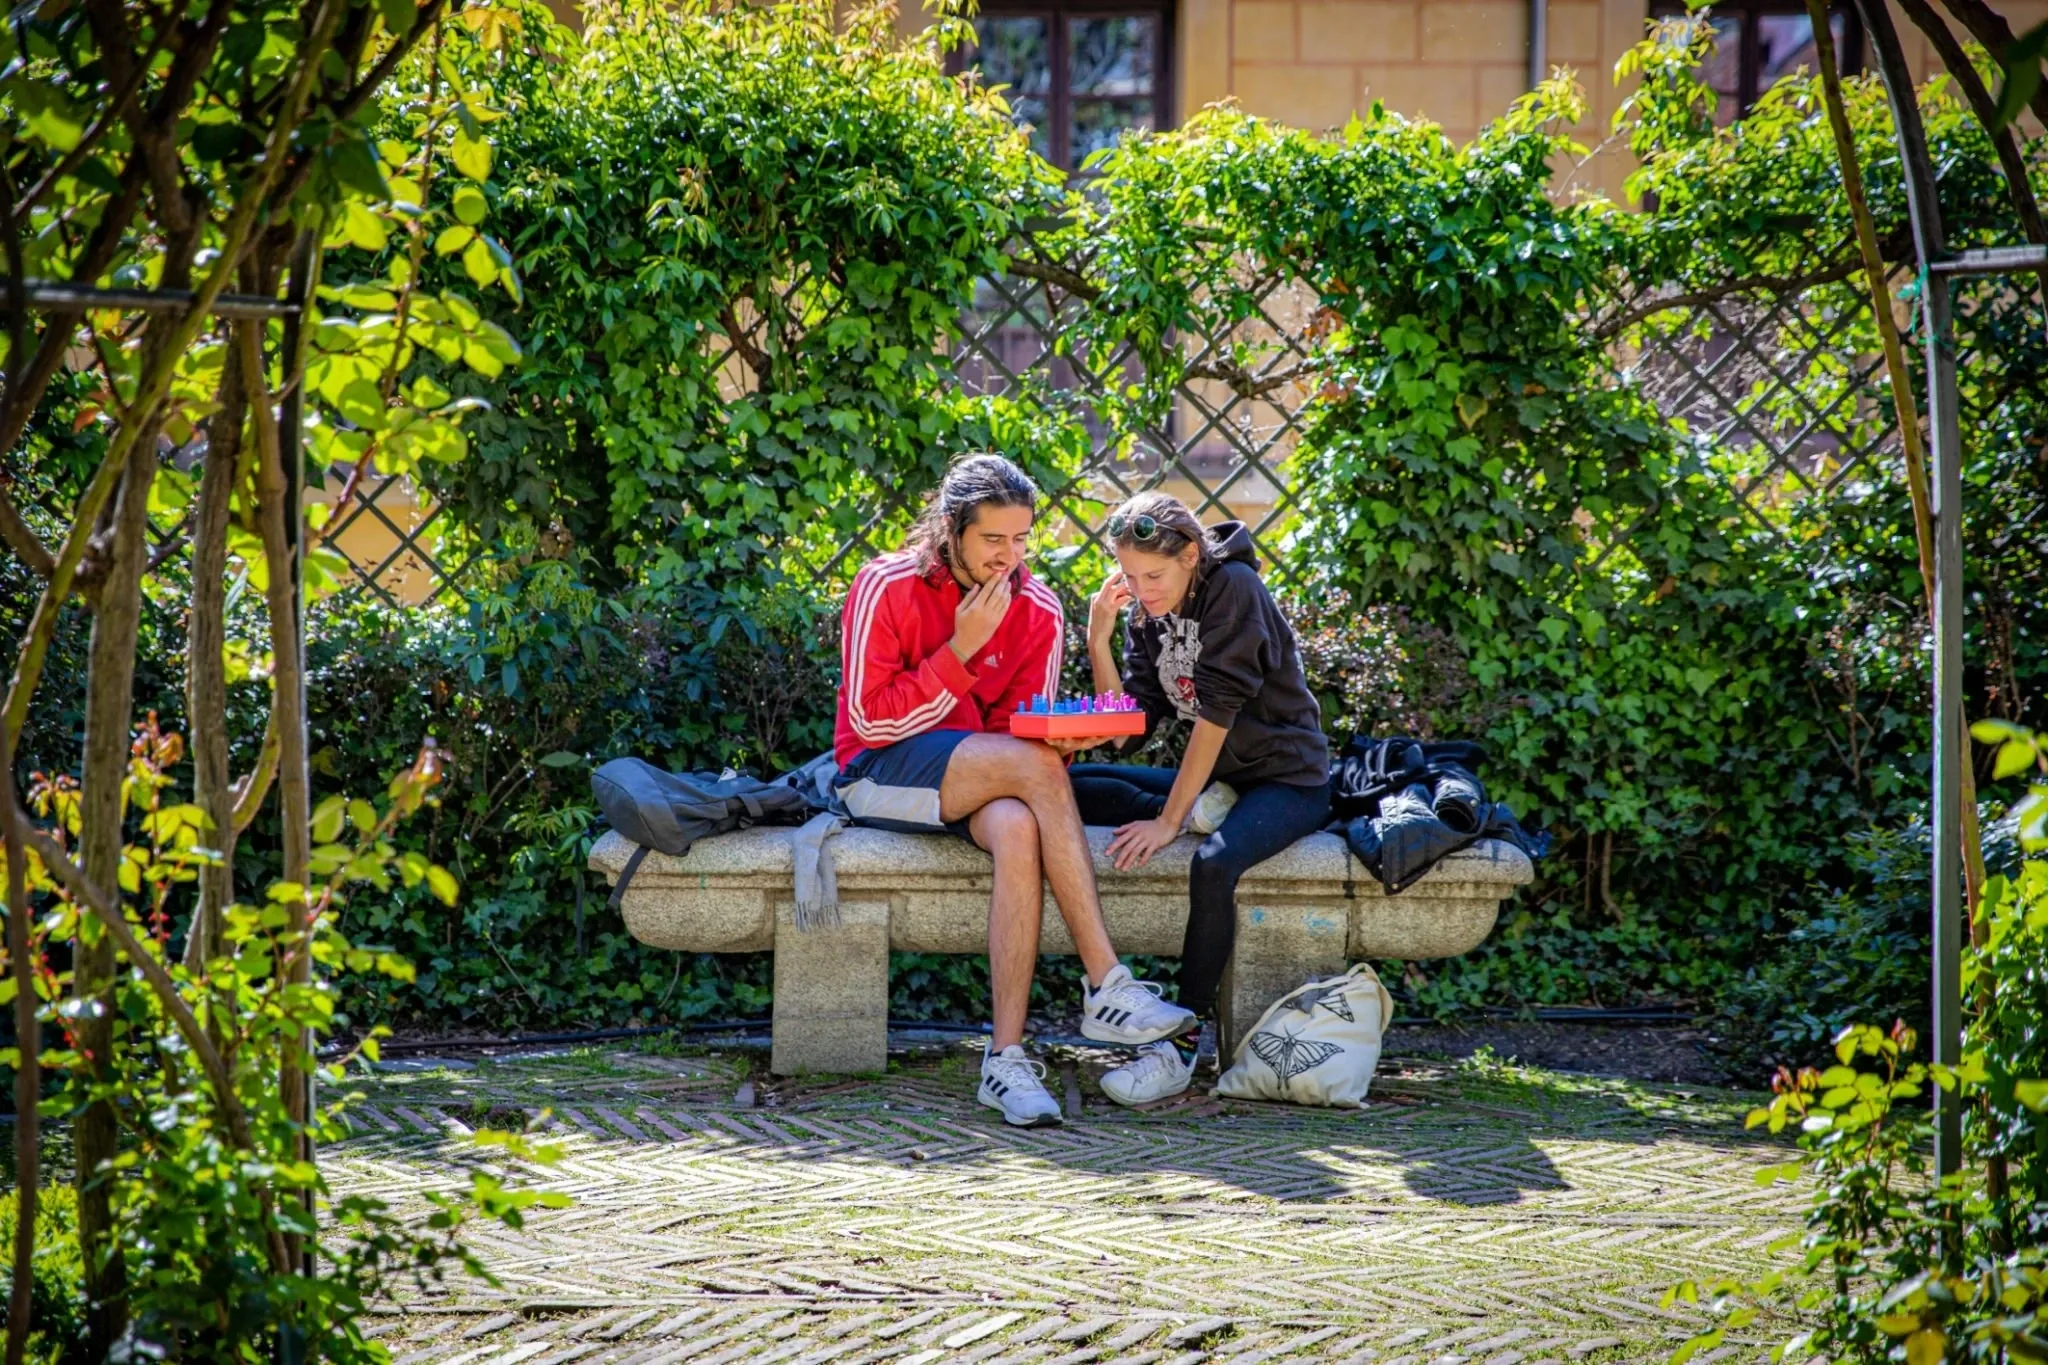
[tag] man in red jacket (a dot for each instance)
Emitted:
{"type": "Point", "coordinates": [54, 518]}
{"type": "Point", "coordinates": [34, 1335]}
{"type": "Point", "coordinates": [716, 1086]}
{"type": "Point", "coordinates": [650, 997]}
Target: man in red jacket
{"type": "Point", "coordinates": [942, 641]}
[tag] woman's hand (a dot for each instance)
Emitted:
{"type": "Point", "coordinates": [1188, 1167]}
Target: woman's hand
{"type": "Point", "coordinates": [1107, 604]}
{"type": "Point", "coordinates": [1134, 844]}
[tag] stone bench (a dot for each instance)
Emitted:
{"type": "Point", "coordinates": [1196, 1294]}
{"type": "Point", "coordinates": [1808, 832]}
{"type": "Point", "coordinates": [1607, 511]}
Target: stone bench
{"type": "Point", "coordinates": [1306, 912]}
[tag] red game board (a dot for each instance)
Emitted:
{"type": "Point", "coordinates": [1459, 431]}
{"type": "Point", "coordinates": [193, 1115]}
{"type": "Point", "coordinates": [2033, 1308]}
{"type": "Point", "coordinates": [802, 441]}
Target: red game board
{"type": "Point", "coordinates": [1082, 725]}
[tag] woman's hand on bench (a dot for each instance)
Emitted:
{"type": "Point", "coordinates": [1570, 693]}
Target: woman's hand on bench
{"type": "Point", "coordinates": [1134, 844]}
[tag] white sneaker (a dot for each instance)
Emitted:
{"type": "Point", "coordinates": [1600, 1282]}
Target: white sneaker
{"type": "Point", "coordinates": [1211, 807]}
{"type": "Point", "coordinates": [1129, 1011]}
{"type": "Point", "coordinates": [1155, 1073]}
{"type": "Point", "coordinates": [1010, 1082]}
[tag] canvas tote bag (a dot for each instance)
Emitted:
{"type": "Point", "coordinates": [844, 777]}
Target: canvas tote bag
{"type": "Point", "coordinates": [1318, 1044]}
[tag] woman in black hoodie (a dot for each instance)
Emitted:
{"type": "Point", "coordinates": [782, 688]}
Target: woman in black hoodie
{"type": "Point", "coordinates": [1207, 643]}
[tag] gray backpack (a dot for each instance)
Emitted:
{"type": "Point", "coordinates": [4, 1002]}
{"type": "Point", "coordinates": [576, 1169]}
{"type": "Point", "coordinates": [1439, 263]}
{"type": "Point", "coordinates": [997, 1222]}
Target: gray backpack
{"type": "Point", "coordinates": [668, 812]}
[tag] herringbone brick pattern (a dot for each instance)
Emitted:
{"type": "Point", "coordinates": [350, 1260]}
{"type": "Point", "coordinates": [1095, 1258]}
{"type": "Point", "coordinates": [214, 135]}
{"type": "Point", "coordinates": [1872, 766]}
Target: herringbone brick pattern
{"type": "Point", "coordinates": [1479, 1214]}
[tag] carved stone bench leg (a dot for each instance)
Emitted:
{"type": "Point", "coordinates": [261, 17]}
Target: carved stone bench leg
{"type": "Point", "coordinates": [1278, 948]}
{"type": "Point", "coordinates": [832, 992]}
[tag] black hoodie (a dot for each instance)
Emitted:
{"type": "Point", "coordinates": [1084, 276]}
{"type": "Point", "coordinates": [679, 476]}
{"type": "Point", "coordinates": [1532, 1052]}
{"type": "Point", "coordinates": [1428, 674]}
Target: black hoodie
{"type": "Point", "coordinates": [1230, 658]}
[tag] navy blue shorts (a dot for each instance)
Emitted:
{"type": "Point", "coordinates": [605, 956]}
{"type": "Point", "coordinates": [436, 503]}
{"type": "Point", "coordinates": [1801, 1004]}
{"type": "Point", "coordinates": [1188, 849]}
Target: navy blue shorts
{"type": "Point", "coordinates": [897, 786]}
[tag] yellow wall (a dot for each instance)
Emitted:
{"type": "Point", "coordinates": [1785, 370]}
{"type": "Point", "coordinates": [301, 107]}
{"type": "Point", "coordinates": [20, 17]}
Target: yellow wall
{"type": "Point", "coordinates": [1460, 63]}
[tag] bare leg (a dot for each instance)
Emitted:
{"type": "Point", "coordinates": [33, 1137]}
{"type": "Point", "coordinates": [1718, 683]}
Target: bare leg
{"type": "Point", "coordinates": [988, 768]}
{"type": "Point", "coordinates": [1007, 829]}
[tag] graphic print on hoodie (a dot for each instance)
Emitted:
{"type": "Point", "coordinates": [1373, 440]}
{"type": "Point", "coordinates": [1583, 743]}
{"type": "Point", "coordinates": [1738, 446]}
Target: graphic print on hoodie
{"type": "Point", "coordinates": [1180, 649]}
{"type": "Point", "coordinates": [1230, 658]}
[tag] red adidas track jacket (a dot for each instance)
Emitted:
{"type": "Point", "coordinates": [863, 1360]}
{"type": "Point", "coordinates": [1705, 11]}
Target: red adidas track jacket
{"type": "Point", "coordinates": [900, 678]}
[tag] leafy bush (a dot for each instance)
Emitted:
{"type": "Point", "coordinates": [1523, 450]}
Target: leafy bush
{"type": "Point", "coordinates": [1860, 952]}
{"type": "Point", "coordinates": [57, 1301]}
{"type": "Point", "coordinates": [757, 229]}
{"type": "Point", "coordinates": [1701, 699]}
{"type": "Point", "coordinates": [1503, 538]}
{"type": "Point", "coordinates": [1897, 1266]}
{"type": "Point", "coordinates": [524, 692]}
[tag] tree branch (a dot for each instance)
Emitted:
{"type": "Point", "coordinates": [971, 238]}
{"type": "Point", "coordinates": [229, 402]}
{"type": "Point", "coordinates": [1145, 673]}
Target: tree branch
{"type": "Point", "coordinates": [58, 328]}
{"type": "Point", "coordinates": [1747, 284]}
{"type": "Point", "coordinates": [1246, 384]}
{"type": "Point", "coordinates": [22, 539]}
{"type": "Point", "coordinates": [352, 103]}
{"type": "Point", "coordinates": [115, 110]}
{"type": "Point", "coordinates": [1991, 30]}
{"type": "Point", "coordinates": [28, 1080]}
{"type": "Point", "coordinates": [2003, 140]}
{"type": "Point", "coordinates": [107, 911]}
{"type": "Point", "coordinates": [205, 672]}
{"type": "Point", "coordinates": [1071, 281]}
{"type": "Point", "coordinates": [251, 790]}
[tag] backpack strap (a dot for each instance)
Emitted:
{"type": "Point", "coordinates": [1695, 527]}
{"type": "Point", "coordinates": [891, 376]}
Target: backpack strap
{"type": "Point", "coordinates": [626, 874]}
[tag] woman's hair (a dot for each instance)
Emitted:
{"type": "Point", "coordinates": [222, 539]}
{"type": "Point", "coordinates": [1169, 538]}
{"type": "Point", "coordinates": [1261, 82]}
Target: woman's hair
{"type": "Point", "coordinates": [973, 481]}
{"type": "Point", "coordinates": [1174, 528]}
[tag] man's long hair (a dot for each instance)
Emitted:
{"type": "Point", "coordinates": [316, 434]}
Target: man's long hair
{"type": "Point", "coordinates": [973, 481]}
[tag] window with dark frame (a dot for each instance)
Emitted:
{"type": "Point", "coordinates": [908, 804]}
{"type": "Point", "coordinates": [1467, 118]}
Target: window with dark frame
{"type": "Point", "coordinates": [1760, 42]}
{"type": "Point", "coordinates": [1078, 75]}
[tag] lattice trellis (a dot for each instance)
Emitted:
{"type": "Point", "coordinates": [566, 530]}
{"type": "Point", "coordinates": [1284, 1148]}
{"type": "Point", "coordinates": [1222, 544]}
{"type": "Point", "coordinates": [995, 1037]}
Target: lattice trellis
{"type": "Point", "coordinates": [1778, 385]}
{"type": "Point", "coordinates": [1225, 448]}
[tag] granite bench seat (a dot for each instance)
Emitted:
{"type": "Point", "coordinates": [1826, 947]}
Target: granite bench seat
{"type": "Point", "coordinates": [1307, 911]}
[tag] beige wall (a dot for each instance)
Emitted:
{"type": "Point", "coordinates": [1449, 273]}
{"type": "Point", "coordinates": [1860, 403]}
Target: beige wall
{"type": "Point", "coordinates": [1460, 63]}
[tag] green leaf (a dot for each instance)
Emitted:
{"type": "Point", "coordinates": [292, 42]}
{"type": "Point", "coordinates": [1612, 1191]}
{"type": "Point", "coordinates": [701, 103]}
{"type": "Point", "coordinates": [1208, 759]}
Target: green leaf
{"type": "Point", "coordinates": [470, 205]}
{"type": "Point", "coordinates": [472, 156]}
{"type": "Point", "coordinates": [442, 883]}
{"type": "Point", "coordinates": [399, 15]}
{"type": "Point", "coordinates": [46, 114]}
{"type": "Point", "coordinates": [454, 239]}
{"type": "Point", "coordinates": [2015, 756]}
{"type": "Point", "coordinates": [2033, 1094]}
{"type": "Point", "coordinates": [478, 262]}
{"type": "Point", "coordinates": [361, 404]}
{"type": "Point", "coordinates": [362, 815]}
{"type": "Point", "coordinates": [362, 227]}
{"type": "Point", "coordinates": [2022, 74]}
{"type": "Point", "coordinates": [1704, 1341]}
{"type": "Point", "coordinates": [327, 819]}
{"type": "Point", "coordinates": [561, 758]}
{"type": "Point", "coordinates": [354, 164]}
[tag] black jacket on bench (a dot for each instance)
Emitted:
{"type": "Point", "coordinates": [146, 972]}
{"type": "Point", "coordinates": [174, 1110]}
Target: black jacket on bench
{"type": "Point", "coordinates": [1406, 804]}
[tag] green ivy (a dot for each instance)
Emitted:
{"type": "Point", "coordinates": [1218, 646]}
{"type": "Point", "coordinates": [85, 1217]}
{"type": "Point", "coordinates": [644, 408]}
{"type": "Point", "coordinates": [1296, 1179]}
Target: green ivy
{"type": "Point", "coordinates": [754, 232]}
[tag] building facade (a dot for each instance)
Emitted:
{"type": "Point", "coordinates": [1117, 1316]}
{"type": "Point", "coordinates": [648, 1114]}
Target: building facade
{"type": "Point", "coordinates": [1080, 71]}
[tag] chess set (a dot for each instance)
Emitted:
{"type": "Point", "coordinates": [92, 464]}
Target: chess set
{"type": "Point", "coordinates": [1108, 716]}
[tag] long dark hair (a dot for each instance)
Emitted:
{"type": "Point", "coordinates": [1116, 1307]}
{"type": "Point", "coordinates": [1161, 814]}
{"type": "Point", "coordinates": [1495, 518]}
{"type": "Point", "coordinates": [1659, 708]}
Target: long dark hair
{"type": "Point", "coordinates": [1174, 529]}
{"type": "Point", "coordinates": [973, 481]}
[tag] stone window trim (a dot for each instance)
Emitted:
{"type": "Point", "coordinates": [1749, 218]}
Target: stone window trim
{"type": "Point", "coordinates": [1062, 18]}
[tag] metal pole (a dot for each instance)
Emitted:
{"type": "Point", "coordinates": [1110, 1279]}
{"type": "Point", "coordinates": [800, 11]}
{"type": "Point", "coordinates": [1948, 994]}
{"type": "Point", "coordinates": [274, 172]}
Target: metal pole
{"type": "Point", "coordinates": [1539, 41]}
{"type": "Point", "coordinates": [305, 266]}
{"type": "Point", "coordinates": [1945, 458]}
{"type": "Point", "coordinates": [51, 296]}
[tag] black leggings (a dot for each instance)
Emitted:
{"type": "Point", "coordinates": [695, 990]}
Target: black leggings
{"type": "Point", "coordinates": [1267, 818]}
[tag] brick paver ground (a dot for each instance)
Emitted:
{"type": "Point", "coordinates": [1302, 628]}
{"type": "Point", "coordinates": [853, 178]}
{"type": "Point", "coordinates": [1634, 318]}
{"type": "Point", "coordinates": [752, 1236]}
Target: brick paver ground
{"type": "Point", "coordinates": [1473, 1212]}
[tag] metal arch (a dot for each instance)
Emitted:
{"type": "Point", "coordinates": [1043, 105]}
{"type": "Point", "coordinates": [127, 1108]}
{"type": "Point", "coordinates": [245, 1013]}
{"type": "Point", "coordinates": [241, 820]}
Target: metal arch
{"type": "Point", "coordinates": [1945, 458]}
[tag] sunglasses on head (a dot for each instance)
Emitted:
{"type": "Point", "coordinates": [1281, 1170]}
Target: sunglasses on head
{"type": "Point", "coordinates": [1141, 527]}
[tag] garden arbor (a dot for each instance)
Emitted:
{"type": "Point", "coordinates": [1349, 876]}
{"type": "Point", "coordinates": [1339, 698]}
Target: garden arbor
{"type": "Point", "coordinates": [1937, 269]}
